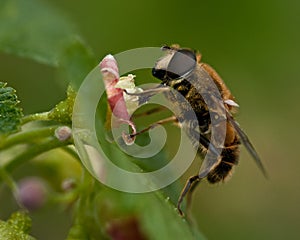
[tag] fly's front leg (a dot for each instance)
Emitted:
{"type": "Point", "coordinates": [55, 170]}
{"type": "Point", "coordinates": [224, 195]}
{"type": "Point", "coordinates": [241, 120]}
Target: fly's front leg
{"type": "Point", "coordinates": [148, 93]}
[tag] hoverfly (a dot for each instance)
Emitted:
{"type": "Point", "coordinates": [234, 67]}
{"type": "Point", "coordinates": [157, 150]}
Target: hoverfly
{"type": "Point", "coordinates": [181, 69]}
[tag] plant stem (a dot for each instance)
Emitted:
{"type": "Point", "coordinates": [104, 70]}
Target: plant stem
{"type": "Point", "coordinates": [25, 137]}
{"type": "Point", "coordinates": [8, 180]}
{"type": "Point", "coordinates": [35, 117]}
{"type": "Point", "coordinates": [82, 217]}
{"type": "Point", "coordinates": [34, 151]}
{"type": "Point", "coordinates": [72, 152]}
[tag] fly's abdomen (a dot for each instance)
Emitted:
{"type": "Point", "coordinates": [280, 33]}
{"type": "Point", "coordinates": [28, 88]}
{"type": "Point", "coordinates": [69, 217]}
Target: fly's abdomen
{"type": "Point", "coordinates": [229, 158]}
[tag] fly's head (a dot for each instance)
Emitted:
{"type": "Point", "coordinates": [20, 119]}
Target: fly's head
{"type": "Point", "coordinates": [175, 64]}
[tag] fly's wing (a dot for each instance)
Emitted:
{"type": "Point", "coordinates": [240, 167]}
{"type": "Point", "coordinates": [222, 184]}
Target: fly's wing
{"type": "Point", "coordinates": [197, 137]}
{"type": "Point", "coordinates": [214, 146]}
{"type": "Point", "coordinates": [206, 87]}
{"type": "Point", "coordinates": [245, 140]}
{"type": "Point", "coordinates": [212, 153]}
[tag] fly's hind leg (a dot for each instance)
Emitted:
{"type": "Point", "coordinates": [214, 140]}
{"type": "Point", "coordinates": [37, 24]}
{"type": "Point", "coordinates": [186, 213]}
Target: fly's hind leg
{"type": "Point", "coordinates": [190, 185]}
{"type": "Point", "coordinates": [190, 193]}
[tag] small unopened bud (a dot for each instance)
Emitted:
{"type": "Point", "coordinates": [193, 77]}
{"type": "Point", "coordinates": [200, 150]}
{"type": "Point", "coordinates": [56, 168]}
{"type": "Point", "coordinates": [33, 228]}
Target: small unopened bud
{"type": "Point", "coordinates": [63, 133]}
{"type": "Point", "coordinates": [68, 184]}
{"type": "Point", "coordinates": [32, 193]}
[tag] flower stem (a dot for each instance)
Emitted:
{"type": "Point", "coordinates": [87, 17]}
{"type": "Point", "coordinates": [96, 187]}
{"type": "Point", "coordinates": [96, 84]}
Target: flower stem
{"type": "Point", "coordinates": [35, 117]}
{"type": "Point", "coordinates": [27, 136]}
{"type": "Point", "coordinates": [72, 152]}
{"type": "Point", "coordinates": [8, 180]}
{"type": "Point", "coordinates": [34, 151]}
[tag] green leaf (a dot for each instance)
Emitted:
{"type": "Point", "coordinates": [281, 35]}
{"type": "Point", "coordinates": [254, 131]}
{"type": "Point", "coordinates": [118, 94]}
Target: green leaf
{"type": "Point", "coordinates": [16, 227]}
{"type": "Point", "coordinates": [162, 221]}
{"type": "Point", "coordinates": [156, 216]}
{"type": "Point", "coordinates": [35, 30]}
{"type": "Point", "coordinates": [10, 113]}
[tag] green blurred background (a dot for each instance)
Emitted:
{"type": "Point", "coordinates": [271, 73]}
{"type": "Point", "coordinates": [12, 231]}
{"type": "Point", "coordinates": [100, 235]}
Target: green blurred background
{"type": "Point", "coordinates": [254, 46]}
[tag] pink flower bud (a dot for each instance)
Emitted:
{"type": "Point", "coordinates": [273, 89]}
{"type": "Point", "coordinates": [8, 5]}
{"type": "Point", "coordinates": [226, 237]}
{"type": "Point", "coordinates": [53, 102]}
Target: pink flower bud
{"type": "Point", "coordinates": [32, 193]}
{"type": "Point", "coordinates": [110, 72]}
{"type": "Point", "coordinates": [109, 64]}
{"type": "Point", "coordinates": [115, 98]}
{"type": "Point", "coordinates": [63, 133]}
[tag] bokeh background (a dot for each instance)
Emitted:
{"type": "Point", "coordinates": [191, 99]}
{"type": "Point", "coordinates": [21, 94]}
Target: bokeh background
{"type": "Point", "coordinates": [254, 46]}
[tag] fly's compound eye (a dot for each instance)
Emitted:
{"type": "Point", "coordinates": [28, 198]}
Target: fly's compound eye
{"type": "Point", "coordinates": [182, 63]}
{"type": "Point", "coordinates": [159, 73]}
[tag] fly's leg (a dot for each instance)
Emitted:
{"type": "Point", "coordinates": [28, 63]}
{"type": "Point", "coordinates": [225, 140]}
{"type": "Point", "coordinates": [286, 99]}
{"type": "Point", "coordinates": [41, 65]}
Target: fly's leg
{"type": "Point", "coordinates": [189, 186]}
{"type": "Point", "coordinates": [149, 112]}
{"type": "Point", "coordinates": [129, 138]}
{"type": "Point", "coordinates": [153, 125]}
{"type": "Point", "coordinates": [190, 193]}
{"type": "Point", "coordinates": [148, 93]}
